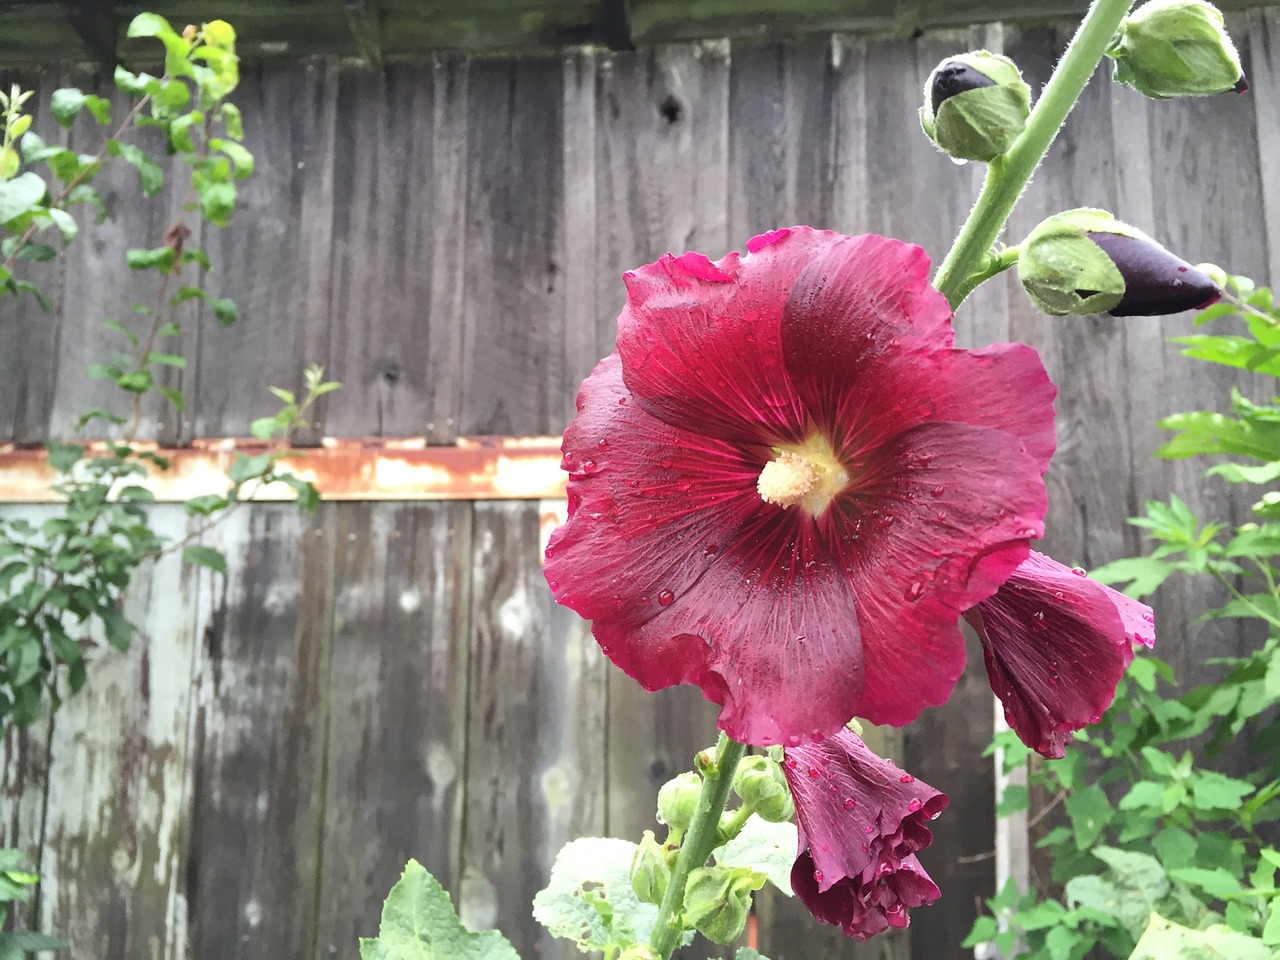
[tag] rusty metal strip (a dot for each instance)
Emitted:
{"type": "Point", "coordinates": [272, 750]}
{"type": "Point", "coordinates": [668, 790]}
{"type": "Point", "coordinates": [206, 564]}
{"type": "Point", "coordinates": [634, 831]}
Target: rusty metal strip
{"type": "Point", "coordinates": [474, 468]}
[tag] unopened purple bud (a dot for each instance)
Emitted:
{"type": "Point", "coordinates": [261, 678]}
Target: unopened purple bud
{"type": "Point", "coordinates": [952, 77]}
{"type": "Point", "coordinates": [1156, 282]}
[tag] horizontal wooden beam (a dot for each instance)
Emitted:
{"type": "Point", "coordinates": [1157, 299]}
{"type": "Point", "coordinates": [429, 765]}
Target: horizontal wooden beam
{"type": "Point", "coordinates": [474, 468]}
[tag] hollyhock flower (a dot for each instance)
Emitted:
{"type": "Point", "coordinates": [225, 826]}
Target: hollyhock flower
{"type": "Point", "coordinates": [1056, 644]}
{"type": "Point", "coordinates": [786, 483]}
{"type": "Point", "coordinates": [861, 822]}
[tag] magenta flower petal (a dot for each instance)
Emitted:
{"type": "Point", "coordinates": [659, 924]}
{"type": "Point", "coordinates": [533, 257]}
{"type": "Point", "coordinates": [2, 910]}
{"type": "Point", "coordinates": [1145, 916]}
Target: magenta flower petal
{"type": "Point", "coordinates": [861, 822]}
{"type": "Point", "coordinates": [1056, 644]}
{"type": "Point", "coordinates": [749, 516]}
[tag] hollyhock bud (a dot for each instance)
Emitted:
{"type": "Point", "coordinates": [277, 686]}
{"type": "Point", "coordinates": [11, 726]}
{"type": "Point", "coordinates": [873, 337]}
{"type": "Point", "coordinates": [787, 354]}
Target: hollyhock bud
{"type": "Point", "coordinates": [650, 872]}
{"type": "Point", "coordinates": [761, 784]}
{"type": "Point", "coordinates": [717, 900]}
{"type": "Point", "coordinates": [1176, 48]}
{"type": "Point", "coordinates": [1086, 261]}
{"type": "Point", "coordinates": [678, 800]}
{"type": "Point", "coordinates": [975, 105]}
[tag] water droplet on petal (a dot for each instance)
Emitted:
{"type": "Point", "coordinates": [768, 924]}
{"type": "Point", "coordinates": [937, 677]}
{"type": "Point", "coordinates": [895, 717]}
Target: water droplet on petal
{"type": "Point", "coordinates": [603, 444]}
{"type": "Point", "coordinates": [622, 401]}
{"type": "Point", "coordinates": [1078, 571]}
{"type": "Point", "coordinates": [710, 549]}
{"type": "Point", "coordinates": [552, 584]}
{"type": "Point", "coordinates": [817, 876]}
{"type": "Point", "coordinates": [813, 772]}
{"type": "Point", "coordinates": [1059, 595]}
{"type": "Point", "coordinates": [791, 763]}
{"type": "Point", "coordinates": [938, 491]}
{"type": "Point", "coordinates": [914, 805]}
{"type": "Point", "coordinates": [665, 598]}
{"type": "Point", "coordinates": [914, 592]}
{"type": "Point", "coordinates": [907, 778]}
{"type": "Point", "coordinates": [666, 463]}
{"type": "Point", "coordinates": [849, 803]}
{"type": "Point", "coordinates": [1150, 618]}
{"type": "Point", "coordinates": [589, 466]}
{"type": "Point", "coordinates": [870, 829]}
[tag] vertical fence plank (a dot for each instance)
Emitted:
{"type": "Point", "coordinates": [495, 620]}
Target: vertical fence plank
{"type": "Point", "coordinates": [397, 709]}
{"type": "Point", "coordinates": [275, 260]}
{"type": "Point", "coordinates": [535, 737]}
{"type": "Point", "coordinates": [258, 738]}
{"type": "Point", "coordinates": [112, 869]}
{"type": "Point", "coordinates": [397, 250]}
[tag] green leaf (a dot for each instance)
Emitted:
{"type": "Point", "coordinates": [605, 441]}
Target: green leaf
{"type": "Point", "coordinates": [589, 899]}
{"type": "Point", "coordinates": [1137, 871]}
{"type": "Point", "coordinates": [769, 848]}
{"type": "Point", "coordinates": [1239, 473]}
{"type": "Point", "coordinates": [160, 258]}
{"type": "Point", "coordinates": [983, 929]}
{"type": "Point", "coordinates": [1090, 812]}
{"type": "Point", "coordinates": [1014, 799]}
{"type": "Point", "coordinates": [206, 504]}
{"type": "Point", "coordinates": [149, 172]}
{"type": "Point", "coordinates": [1144, 793]}
{"type": "Point", "coordinates": [1213, 791]}
{"type": "Point", "coordinates": [175, 397]}
{"type": "Point", "coordinates": [1271, 932]}
{"type": "Point", "coordinates": [64, 456]}
{"type": "Point", "coordinates": [241, 158]}
{"type": "Point", "coordinates": [65, 104]}
{"type": "Point", "coordinates": [246, 468]}
{"type": "Point", "coordinates": [224, 309]}
{"type": "Point", "coordinates": [65, 223]}
{"type": "Point", "coordinates": [1143, 575]}
{"type": "Point", "coordinates": [218, 200]}
{"type": "Point", "coordinates": [263, 428]}
{"type": "Point", "coordinates": [119, 631]}
{"type": "Point", "coordinates": [419, 923]}
{"type": "Point", "coordinates": [1217, 883]}
{"type": "Point", "coordinates": [1165, 940]}
{"type": "Point", "coordinates": [148, 25]}
{"type": "Point", "coordinates": [308, 495]}
{"type": "Point", "coordinates": [167, 360]}
{"type": "Point", "coordinates": [19, 195]}
{"type": "Point", "coordinates": [205, 557]}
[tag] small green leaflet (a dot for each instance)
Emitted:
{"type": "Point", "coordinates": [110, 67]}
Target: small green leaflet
{"type": "Point", "coordinates": [767, 847]}
{"type": "Point", "coordinates": [19, 195]}
{"type": "Point", "coordinates": [1165, 940]}
{"type": "Point", "coordinates": [419, 923]}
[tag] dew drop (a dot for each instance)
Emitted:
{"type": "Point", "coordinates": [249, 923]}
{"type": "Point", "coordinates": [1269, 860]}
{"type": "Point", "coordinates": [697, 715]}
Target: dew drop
{"type": "Point", "coordinates": [1078, 571]}
{"type": "Point", "coordinates": [907, 778]}
{"type": "Point", "coordinates": [603, 444]}
{"type": "Point", "coordinates": [622, 401]}
{"type": "Point", "coordinates": [791, 763]}
{"type": "Point", "coordinates": [1027, 532]}
{"type": "Point", "coordinates": [552, 584]}
{"type": "Point", "coordinates": [813, 772]}
{"type": "Point", "coordinates": [666, 463]}
{"type": "Point", "coordinates": [870, 829]}
{"type": "Point", "coordinates": [1150, 618]}
{"type": "Point", "coordinates": [817, 876]}
{"type": "Point", "coordinates": [914, 592]}
{"type": "Point", "coordinates": [710, 549]}
{"type": "Point", "coordinates": [589, 466]}
{"type": "Point", "coordinates": [1059, 595]}
{"type": "Point", "coordinates": [1095, 718]}
{"type": "Point", "coordinates": [665, 598]}
{"type": "Point", "coordinates": [849, 803]}
{"type": "Point", "coordinates": [938, 491]}
{"type": "Point", "coordinates": [914, 805]}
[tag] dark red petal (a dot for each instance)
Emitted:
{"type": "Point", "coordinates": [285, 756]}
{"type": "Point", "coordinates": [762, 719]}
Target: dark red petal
{"type": "Point", "coordinates": [650, 506]}
{"type": "Point", "coordinates": [1056, 644]}
{"type": "Point", "coordinates": [770, 631]}
{"type": "Point", "coordinates": [701, 345]}
{"type": "Point", "coordinates": [934, 521]}
{"type": "Point", "coordinates": [890, 326]}
{"type": "Point", "coordinates": [855, 810]}
{"type": "Point", "coordinates": [863, 910]}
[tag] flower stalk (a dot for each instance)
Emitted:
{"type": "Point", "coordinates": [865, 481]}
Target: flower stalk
{"type": "Point", "coordinates": [699, 841]}
{"type": "Point", "coordinates": [1007, 175]}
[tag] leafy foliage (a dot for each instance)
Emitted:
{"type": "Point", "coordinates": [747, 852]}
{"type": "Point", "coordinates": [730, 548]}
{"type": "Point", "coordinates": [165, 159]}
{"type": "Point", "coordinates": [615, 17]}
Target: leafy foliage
{"type": "Point", "coordinates": [16, 884]}
{"type": "Point", "coordinates": [62, 582]}
{"type": "Point", "coordinates": [1162, 855]}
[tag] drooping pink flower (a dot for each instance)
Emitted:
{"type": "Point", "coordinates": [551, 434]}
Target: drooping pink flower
{"type": "Point", "coordinates": [861, 822]}
{"type": "Point", "coordinates": [1056, 644]}
{"type": "Point", "coordinates": [786, 484]}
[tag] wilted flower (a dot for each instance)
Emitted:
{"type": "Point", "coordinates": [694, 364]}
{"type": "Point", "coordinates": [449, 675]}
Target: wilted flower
{"type": "Point", "coordinates": [1086, 261]}
{"type": "Point", "coordinates": [1176, 48]}
{"type": "Point", "coordinates": [787, 483]}
{"type": "Point", "coordinates": [861, 822]}
{"type": "Point", "coordinates": [1056, 644]}
{"type": "Point", "coordinates": [975, 105]}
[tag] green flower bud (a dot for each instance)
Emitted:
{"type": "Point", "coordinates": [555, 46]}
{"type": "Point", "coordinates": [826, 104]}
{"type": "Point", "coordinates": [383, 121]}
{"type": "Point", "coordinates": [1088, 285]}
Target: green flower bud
{"type": "Point", "coordinates": [975, 105]}
{"type": "Point", "coordinates": [650, 873]}
{"type": "Point", "coordinates": [761, 784]}
{"type": "Point", "coordinates": [1176, 48]}
{"type": "Point", "coordinates": [1085, 261]}
{"type": "Point", "coordinates": [678, 800]}
{"type": "Point", "coordinates": [717, 900]}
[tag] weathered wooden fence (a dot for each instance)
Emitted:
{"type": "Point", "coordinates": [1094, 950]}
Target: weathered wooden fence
{"type": "Point", "coordinates": [390, 680]}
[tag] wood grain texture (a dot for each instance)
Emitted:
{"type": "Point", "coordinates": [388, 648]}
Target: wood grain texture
{"type": "Point", "coordinates": [258, 739]}
{"type": "Point", "coordinates": [534, 776]}
{"type": "Point", "coordinates": [397, 705]}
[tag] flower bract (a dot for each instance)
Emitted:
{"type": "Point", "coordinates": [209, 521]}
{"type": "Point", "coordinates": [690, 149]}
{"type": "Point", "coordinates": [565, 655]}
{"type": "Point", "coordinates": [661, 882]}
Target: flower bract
{"type": "Point", "coordinates": [787, 483]}
{"type": "Point", "coordinates": [861, 822]}
{"type": "Point", "coordinates": [1056, 644]}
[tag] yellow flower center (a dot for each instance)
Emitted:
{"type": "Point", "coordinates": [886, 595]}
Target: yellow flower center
{"type": "Point", "coordinates": [806, 474]}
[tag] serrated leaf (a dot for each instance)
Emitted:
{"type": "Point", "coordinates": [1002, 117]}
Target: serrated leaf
{"type": "Point", "coordinates": [769, 848]}
{"type": "Point", "coordinates": [205, 557]}
{"type": "Point", "coordinates": [1165, 940]}
{"type": "Point", "coordinates": [419, 923]}
{"type": "Point", "coordinates": [1217, 883]}
{"type": "Point", "coordinates": [589, 874]}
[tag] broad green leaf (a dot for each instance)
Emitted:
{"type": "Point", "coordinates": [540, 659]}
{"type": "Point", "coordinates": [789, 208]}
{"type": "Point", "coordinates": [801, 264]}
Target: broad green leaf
{"type": "Point", "coordinates": [1213, 791]}
{"type": "Point", "coordinates": [1140, 872]}
{"type": "Point", "coordinates": [205, 557]}
{"type": "Point", "coordinates": [1240, 473]}
{"type": "Point", "coordinates": [224, 309]}
{"type": "Point", "coordinates": [419, 923]}
{"type": "Point", "coordinates": [589, 899]}
{"type": "Point", "coordinates": [65, 104]}
{"type": "Point", "coordinates": [984, 928]}
{"type": "Point", "coordinates": [1143, 575]}
{"type": "Point", "coordinates": [767, 847]}
{"type": "Point", "coordinates": [1271, 932]}
{"type": "Point", "coordinates": [20, 194]}
{"type": "Point", "coordinates": [149, 172]}
{"type": "Point", "coordinates": [1217, 883]}
{"type": "Point", "coordinates": [1090, 812]}
{"type": "Point", "coordinates": [1166, 940]}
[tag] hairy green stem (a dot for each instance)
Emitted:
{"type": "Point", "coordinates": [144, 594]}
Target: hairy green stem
{"type": "Point", "coordinates": [1007, 176]}
{"type": "Point", "coordinates": [699, 841]}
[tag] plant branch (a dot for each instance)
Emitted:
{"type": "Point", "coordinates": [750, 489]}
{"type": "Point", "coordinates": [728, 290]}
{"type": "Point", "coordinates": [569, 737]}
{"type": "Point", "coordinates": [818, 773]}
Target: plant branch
{"type": "Point", "coordinates": [699, 841]}
{"type": "Point", "coordinates": [1008, 175]}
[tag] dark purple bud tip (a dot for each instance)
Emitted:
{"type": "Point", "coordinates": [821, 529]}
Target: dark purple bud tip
{"type": "Point", "coordinates": [1242, 85]}
{"type": "Point", "coordinates": [1155, 281]}
{"type": "Point", "coordinates": [955, 77]}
